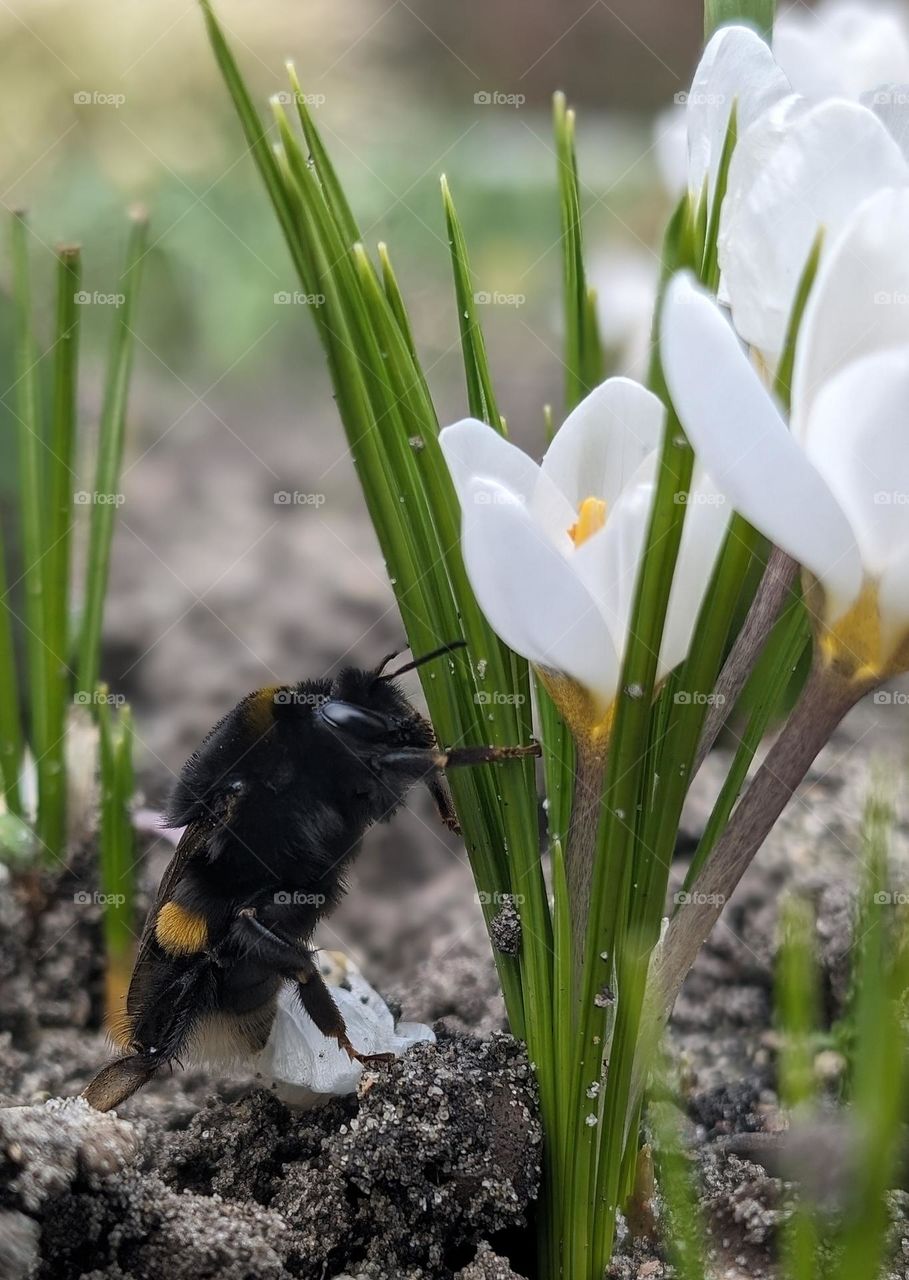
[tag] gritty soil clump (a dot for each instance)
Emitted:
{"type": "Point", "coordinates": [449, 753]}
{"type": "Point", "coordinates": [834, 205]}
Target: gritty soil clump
{"type": "Point", "coordinates": [438, 1153]}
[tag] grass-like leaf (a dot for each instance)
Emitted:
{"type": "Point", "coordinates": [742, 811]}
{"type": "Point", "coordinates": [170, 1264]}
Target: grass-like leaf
{"type": "Point", "coordinates": [757, 13]}
{"type": "Point", "coordinates": [56, 577]}
{"type": "Point", "coordinates": [110, 457]}
{"type": "Point", "coordinates": [117, 849]}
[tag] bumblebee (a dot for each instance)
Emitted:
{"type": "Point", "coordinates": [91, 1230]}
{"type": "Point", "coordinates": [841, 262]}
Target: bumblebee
{"type": "Point", "coordinates": [275, 804]}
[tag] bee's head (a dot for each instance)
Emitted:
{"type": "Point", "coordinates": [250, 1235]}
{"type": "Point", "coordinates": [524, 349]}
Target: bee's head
{"type": "Point", "coordinates": [369, 714]}
{"type": "Point", "coordinates": [320, 728]}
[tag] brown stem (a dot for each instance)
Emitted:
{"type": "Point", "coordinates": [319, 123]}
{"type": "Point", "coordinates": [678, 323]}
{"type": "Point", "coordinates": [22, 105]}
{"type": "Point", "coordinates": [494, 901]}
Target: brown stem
{"type": "Point", "coordinates": [763, 613]}
{"type": "Point", "coordinates": [825, 700]}
{"type": "Point", "coordinates": [582, 842]}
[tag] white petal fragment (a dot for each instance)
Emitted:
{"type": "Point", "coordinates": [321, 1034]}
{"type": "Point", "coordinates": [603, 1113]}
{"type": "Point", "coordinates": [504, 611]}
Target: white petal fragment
{"type": "Point", "coordinates": [742, 440]}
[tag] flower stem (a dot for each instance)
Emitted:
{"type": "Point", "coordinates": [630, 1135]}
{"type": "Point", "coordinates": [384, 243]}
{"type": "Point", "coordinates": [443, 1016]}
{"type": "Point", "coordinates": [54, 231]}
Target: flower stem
{"type": "Point", "coordinates": [826, 699]}
{"type": "Point", "coordinates": [582, 841]}
{"type": "Point", "coordinates": [763, 613]}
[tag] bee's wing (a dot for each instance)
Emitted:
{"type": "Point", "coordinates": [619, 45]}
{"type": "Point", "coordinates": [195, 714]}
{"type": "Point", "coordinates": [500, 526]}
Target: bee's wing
{"type": "Point", "coordinates": [193, 842]}
{"type": "Point", "coordinates": [150, 958]}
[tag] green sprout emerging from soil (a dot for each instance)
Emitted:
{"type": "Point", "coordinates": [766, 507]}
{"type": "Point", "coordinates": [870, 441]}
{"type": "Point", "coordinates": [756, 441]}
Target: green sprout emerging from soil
{"type": "Point", "coordinates": [52, 709]}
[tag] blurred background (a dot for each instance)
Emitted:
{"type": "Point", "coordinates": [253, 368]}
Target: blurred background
{"type": "Point", "coordinates": [216, 587]}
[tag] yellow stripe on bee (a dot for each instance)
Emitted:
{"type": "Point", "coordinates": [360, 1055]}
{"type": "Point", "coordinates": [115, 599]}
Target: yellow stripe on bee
{"type": "Point", "coordinates": [260, 708]}
{"type": "Point", "coordinates": [180, 932]}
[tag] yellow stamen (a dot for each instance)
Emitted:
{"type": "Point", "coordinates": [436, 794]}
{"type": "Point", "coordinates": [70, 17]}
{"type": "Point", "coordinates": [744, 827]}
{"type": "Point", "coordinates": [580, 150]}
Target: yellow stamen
{"type": "Point", "coordinates": [591, 517]}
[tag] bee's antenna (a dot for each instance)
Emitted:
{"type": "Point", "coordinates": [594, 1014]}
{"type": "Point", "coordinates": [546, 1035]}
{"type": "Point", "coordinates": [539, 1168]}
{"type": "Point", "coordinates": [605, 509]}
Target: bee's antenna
{"type": "Point", "coordinates": [418, 662]}
{"type": "Point", "coordinates": [389, 657]}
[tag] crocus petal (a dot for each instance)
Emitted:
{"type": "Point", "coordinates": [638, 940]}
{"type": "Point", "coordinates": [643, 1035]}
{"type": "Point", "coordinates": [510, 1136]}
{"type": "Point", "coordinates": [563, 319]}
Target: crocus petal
{"type": "Point", "coordinates": [842, 48]}
{"type": "Point", "coordinates": [604, 440]}
{"type": "Point", "coordinates": [736, 66]}
{"type": "Point", "coordinates": [786, 182]}
{"type": "Point", "coordinates": [795, 48]}
{"type": "Point", "coordinates": [893, 602]}
{"type": "Point", "coordinates": [704, 531]}
{"type": "Point", "coordinates": [670, 146]}
{"type": "Point", "coordinates": [473, 449]}
{"type": "Point", "coordinates": [743, 442]}
{"type": "Point", "coordinates": [530, 594]}
{"type": "Point", "coordinates": [890, 103]}
{"type": "Point", "coordinates": [860, 300]}
{"type": "Point", "coordinates": [857, 440]}
{"type": "Point", "coordinates": [608, 562]}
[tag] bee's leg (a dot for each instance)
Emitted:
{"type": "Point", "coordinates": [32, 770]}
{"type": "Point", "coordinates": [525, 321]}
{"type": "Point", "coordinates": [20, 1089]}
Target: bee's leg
{"type": "Point", "coordinates": [315, 998]}
{"type": "Point", "coordinates": [262, 943]}
{"type": "Point", "coordinates": [457, 757]}
{"type": "Point", "coordinates": [118, 1081]}
{"type": "Point", "coordinates": [159, 1035]}
{"type": "Point", "coordinates": [436, 787]}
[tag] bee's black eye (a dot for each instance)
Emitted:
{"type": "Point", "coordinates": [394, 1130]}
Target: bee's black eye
{"type": "Point", "coordinates": [359, 722]}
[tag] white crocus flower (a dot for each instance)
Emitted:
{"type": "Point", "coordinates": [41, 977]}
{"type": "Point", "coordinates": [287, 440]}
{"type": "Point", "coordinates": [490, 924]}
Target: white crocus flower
{"type": "Point", "coordinates": [797, 170]}
{"type": "Point", "coordinates": [802, 163]}
{"type": "Point", "coordinates": [735, 67]}
{"type": "Point", "coordinates": [833, 491]}
{"type": "Point", "coordinates": [841, 48]}
{"type": "Point", "coordinates": [553, 551]}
